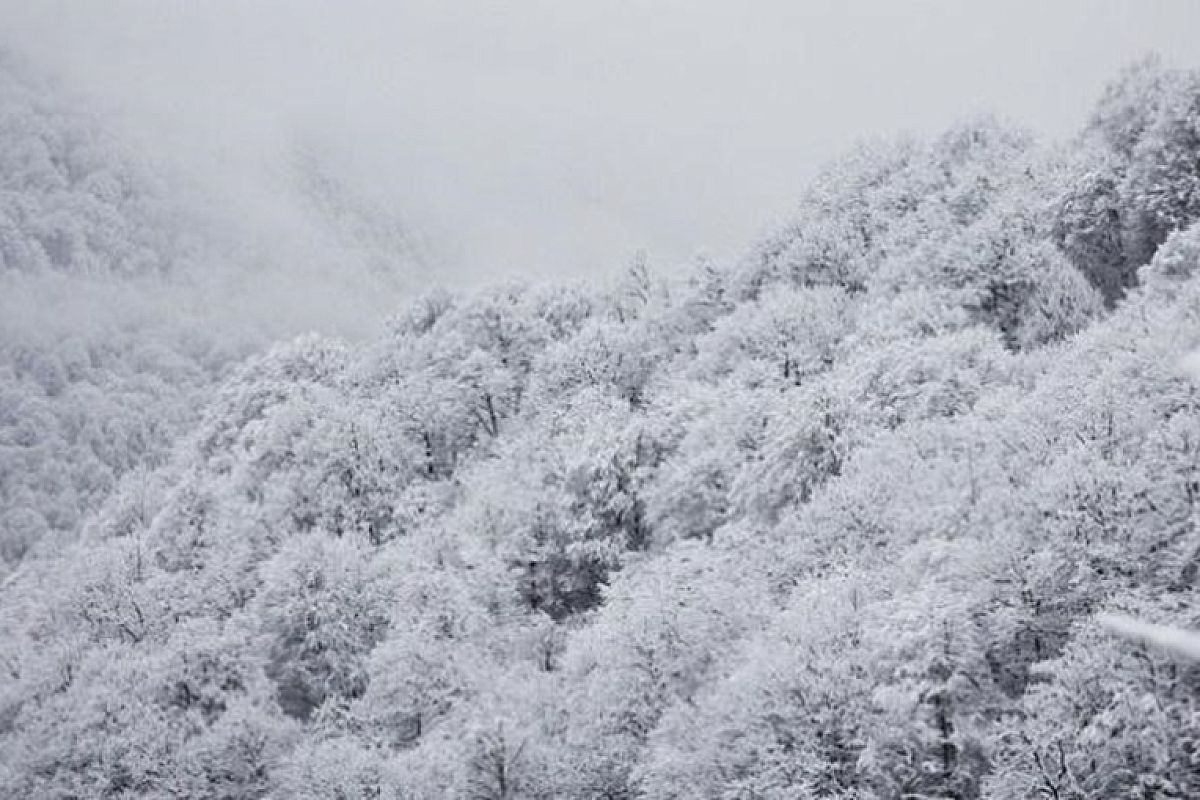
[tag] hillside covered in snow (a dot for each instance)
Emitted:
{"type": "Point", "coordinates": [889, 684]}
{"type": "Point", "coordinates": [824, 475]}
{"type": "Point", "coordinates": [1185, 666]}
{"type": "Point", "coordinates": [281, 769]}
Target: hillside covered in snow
{"type": "Point", "coordinates": [836, 519]}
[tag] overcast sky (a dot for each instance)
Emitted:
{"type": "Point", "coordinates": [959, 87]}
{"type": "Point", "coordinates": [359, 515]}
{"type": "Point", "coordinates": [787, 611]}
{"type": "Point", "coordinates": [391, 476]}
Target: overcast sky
{"type": "Point", "coordinates": [562, 136]}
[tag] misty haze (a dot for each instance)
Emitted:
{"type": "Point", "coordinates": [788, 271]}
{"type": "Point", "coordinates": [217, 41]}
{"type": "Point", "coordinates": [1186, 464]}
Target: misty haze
{"type": "Point", "coordinates": [621, 401]}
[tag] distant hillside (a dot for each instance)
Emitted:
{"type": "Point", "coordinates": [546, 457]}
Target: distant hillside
{"type": "Point", "coordinates": [124, 299]}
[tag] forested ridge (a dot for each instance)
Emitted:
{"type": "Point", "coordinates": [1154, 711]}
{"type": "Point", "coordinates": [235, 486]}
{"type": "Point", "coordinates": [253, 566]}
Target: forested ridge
{"type": "Point", "coordinates": [836, 519]}
{"type": "Point", "coordinates": [124, 300]}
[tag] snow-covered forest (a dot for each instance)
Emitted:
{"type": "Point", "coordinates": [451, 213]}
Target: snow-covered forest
{"type": "Point", "coordinates": [839, 518]}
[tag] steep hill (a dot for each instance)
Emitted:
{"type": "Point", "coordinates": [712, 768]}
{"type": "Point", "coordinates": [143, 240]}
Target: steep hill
{"type": "Point", "coordinates": [835, 520]}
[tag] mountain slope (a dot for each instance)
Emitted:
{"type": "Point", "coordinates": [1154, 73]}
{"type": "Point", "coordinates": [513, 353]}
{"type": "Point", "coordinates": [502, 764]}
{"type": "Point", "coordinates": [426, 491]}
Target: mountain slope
{"type": "Point", "coordinates": [834, 520]}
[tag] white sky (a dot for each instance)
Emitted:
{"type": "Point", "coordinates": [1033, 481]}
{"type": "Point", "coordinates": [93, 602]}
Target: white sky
{"type": "Point", "coordinates": [557, 136]}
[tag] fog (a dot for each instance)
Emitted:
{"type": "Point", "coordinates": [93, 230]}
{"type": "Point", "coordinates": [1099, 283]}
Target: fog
{"type": "Point", "coordinates": [547, 138]}
{"type": "Point", "coordinates": [897, 500]}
